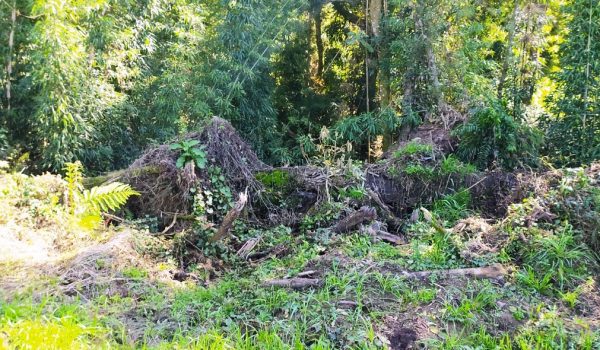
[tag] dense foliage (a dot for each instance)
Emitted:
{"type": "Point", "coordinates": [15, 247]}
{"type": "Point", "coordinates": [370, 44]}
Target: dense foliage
{"type": "Point", "coordinates": [99, 80]}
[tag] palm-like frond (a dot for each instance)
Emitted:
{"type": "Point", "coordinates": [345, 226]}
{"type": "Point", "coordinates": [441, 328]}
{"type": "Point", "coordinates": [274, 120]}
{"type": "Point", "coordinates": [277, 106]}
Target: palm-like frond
{"type": "Point", "coordinates": [107, 197]}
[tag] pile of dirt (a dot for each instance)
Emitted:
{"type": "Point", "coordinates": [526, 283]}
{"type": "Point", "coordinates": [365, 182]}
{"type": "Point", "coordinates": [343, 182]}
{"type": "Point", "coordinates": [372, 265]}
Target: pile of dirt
{"type": "Point", "coordinates": [166, 189]}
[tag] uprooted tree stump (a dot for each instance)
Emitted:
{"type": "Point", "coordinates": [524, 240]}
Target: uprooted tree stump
{"type": "Point", "coordinates": [166, 189]}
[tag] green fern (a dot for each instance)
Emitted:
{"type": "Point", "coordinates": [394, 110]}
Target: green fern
{"type": "Point", "coordinates": [87, 206]}
{"type": "Point", "coordinates": [107, 197]}
{"type": "Point", "coordinates": [74, 178]}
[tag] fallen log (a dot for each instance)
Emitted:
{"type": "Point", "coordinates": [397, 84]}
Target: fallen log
{"type": "Point", "coordinates": [487, 272]}
{"type": "Point", "coordinates": [117, 175]}
{"type": "Point", "coordinates": [358, 217]}
{"type": "Point", "coordinates": [389, 238]}
{"type": "Point", "coordinates": [294, 283]}
{"type": "Point", "coordinates": [276, 251]}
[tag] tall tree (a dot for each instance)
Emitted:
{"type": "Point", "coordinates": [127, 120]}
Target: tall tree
{"type": "Point", "coordinates": [573, 132]}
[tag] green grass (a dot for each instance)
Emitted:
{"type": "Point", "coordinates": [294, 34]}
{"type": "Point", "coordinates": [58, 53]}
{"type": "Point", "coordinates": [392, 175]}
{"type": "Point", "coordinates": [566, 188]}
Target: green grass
{"type": "Point", "coordinates": [453, 207]}
{"type": "Point", "coordinates": [468, 309]}
{"type": "Point", "coordinates": [420, 171]}
{"type": "Point", "coordinates": [51, 323]}
{"type": "Point", "coordinates": [413, 148]}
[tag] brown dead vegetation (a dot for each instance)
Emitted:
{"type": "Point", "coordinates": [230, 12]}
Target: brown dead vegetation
{"type": "Point", "coordinates": [166, 189]}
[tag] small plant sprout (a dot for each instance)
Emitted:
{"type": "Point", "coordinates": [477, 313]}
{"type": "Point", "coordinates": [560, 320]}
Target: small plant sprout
{"type": "Point", "coordinates": [190, 153]}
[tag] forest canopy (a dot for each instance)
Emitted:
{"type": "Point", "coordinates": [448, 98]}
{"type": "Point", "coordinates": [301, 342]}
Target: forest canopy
{"type": "Point", "coordinates": [100, 80]}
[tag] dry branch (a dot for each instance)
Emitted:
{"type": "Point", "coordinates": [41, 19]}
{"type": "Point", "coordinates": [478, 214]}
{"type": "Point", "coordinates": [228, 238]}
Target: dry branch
{"type": "Point", "coordinates": [230, 218]}
{"type": "Point", "coordinates": [490, 272]}
{"type": "Point", "coordinates": [295, 283]}
{"type": "Point", "coordinates": [386, 209]}
{"type": "Point", "coordinates": [306, 273]}
{"type": "Point", "coordinates": [375, 230]}
{"type": "Point", "coordinates": [247, 248]}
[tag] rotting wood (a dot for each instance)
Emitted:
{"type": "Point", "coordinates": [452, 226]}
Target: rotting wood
{"type": "Point", "coordinates": [247, 248]}
{"type": "Point", "coordinates": [389, 238]}
{"type": "Point", "coordinates": [358, 217]}
{"type": "Point", "coordinates": [294, 283]}
{"type": "Point", "coordinates": [230, 218]}
{"type": "Point", "coordinates": [375, 230]}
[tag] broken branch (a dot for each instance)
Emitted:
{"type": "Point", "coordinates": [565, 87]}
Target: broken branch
{"type": "Point", "coordinates": [230, 218]}
{"type": "Point", "coordinates": [489, 272]}
{"type": "Point", "coordinates": [294, 283]}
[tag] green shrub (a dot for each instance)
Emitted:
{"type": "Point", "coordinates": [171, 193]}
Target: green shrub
{"type": "Point", "coordinates": [451, 165]}
{"type": "Point", "coordinates": [419, 171]}
{"type": "Point", "coordinates": [493, 137]}
{"type": "Point", "coordinates": [561, 253]}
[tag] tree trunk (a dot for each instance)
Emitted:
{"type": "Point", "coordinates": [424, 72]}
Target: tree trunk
{"type": "Point", "coordinates": [385, 89]}
{"type": "Point", "coordinates": [509, 48]}
{"type": "Point", "coordinates": [11, 44]}
{"type": "Point", "coordinates": [432, 68]}
{"type": "Point", "coordinates": [588, 53]}
{"type": "Point", "coordinates": [230, 218]}
{"type": "Point", "coordinates": [319, 40]}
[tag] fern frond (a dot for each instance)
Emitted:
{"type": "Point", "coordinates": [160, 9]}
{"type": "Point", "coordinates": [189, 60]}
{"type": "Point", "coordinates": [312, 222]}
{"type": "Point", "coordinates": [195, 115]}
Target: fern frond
{"type": "Point", "coordinates": [108, 197]}
{"type": "Point", "coordinates": [74, 178]}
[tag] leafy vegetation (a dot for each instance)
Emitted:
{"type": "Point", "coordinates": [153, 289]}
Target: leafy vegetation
{"type": "Point", "coordinates": [87, 205]}
{"type": "Point", "coordinates": [291, 174]}
{"type": "Point", "coordinates": [190, 154]}
{"type": "Point", "coordinates": [364, 283]}
{"type": "Point", "coordinates": [100, 80]}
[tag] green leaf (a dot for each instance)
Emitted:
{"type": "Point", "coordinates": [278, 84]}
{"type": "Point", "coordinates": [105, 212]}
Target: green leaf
{"type": "Point", "coordinates": [191, 143]}
{"type": "Point", "coordinates": [180, 162]}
